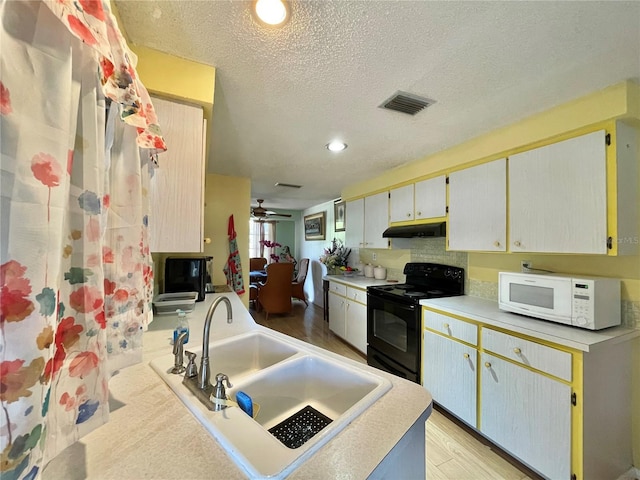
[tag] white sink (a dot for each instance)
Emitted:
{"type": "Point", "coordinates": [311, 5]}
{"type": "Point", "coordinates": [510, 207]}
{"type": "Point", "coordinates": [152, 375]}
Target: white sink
{"type": "Point", "coordinates": [281, 388]}
{"type": "Point", "coordinates": [245, 354]}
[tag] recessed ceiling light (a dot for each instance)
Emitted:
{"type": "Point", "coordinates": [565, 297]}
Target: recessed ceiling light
{"type": "Point", "coordinates": [336, 146]}
{"type": "Point", "coordinates": [272, 12]}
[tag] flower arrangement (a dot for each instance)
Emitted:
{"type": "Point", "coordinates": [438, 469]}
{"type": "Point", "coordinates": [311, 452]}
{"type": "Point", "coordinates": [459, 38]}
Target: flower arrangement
{"type": "Point", "coordinates": [336, 255]}
{"type": "Point", "coordinates": [269, 244]}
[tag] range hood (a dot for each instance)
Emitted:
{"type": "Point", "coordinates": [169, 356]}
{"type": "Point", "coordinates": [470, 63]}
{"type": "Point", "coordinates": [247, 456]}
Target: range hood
{"type": "Point", "coordinates": [421, 230]}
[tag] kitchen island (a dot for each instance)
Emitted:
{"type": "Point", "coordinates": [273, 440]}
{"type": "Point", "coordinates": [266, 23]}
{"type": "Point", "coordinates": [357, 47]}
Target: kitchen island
{"type": "Point", "coordinates": [151, 434]}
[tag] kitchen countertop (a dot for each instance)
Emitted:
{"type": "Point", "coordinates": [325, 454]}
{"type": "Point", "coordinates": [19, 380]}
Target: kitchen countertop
{"type": "Point", "coordinates": [151, 434]}
{"type": "Point", "coordinates": [358, 281]}
{"type": "Point", "coordinates": [487, 311]}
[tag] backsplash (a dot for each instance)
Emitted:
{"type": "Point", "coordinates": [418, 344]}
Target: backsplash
{"type": "Point", "coordinates": [434, 250]}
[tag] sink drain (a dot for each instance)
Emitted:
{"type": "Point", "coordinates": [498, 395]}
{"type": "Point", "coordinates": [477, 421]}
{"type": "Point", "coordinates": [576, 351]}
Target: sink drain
{"type": "Point", "coordinates": [300, 427]}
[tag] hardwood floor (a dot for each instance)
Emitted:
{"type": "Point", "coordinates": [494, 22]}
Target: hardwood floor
{"type": "Point", "coordinates": [452, 452]}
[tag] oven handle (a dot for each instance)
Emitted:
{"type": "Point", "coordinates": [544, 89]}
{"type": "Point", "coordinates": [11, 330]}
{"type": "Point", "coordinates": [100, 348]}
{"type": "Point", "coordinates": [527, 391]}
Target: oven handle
{"type": "Point", "coordinates": [389, 368]}
{"type": "Point", "coordinates": [375, 298]}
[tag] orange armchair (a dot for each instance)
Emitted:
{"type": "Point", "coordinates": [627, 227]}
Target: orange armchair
{"type": "Point", "coordinates": [275, 295]}
{"type": "Point", "coordinates": [297, 287]}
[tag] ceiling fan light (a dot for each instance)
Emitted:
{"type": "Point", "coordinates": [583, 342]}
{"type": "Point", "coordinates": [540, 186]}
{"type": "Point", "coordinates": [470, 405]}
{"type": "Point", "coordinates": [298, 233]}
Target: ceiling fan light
{"type": "Point", "coordinates": [336, 146]}
{"type": "Point", "coordinates": [271, 12]}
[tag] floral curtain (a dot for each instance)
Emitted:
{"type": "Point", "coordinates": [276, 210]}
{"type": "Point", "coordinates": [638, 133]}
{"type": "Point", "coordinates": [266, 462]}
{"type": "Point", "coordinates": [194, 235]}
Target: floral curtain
{"type": "Point", "coordinates": [75, 270]}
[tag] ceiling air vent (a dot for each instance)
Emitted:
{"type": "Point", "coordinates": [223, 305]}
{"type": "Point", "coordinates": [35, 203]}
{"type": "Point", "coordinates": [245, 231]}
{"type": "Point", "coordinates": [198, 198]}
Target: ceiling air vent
{"type": "Point", "coordinates": [406, 103]}
{"type": "Point", "coordinates": [288, 185]}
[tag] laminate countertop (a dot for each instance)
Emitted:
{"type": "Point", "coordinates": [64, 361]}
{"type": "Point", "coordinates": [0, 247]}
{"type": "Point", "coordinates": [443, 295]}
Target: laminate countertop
{"type": "Point", "coordinates": [358, 281]}
{"type": "Point", "coordinates": [151, 434]}
{"type": "Point", "coordinates": [487, 312]}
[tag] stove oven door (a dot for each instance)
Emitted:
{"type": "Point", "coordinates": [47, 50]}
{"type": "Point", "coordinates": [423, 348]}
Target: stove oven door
{"type": "Point", "coordinates": [393, 330]}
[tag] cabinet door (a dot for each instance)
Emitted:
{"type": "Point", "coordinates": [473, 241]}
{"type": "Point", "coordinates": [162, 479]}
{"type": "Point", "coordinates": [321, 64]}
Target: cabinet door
{"type": "Point", "coordinates": [449, 373]}
{"type": "Point", "coordinates": [478, 207]}
{"type": "Point", "coordinates": [557, 197]}
{"type": "Point", "coordinates": [354, 230]}
{"type": "Point", "coordinates": [337, 315]}
{"type": "Point", "coordinates": [528, 414]}
{"type": "Point", "coordinates": [177, 187]}
{"type": "Point", "coordinates": [431, 198]}
{"type": "Point", "coordinates": [356, 325]}
{"type": "Point", "coordinates": [401, 204]}
{"type": "Point", "coordinates": [376, 216]}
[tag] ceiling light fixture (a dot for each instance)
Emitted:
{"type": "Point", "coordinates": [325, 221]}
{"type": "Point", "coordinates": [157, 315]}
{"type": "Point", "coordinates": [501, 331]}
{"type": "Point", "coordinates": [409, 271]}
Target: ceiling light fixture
{"type": "Point", "coordinates": [272, 12]}
{"type": "Point", "coordinates": [336, 146]}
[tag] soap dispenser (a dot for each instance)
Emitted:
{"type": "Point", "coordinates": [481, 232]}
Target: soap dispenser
{"type": "Point", "coordinates": [182, 326]}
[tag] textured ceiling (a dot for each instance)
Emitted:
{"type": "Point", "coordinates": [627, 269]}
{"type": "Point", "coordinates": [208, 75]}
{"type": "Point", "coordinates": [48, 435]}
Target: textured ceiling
{"type": "Point", "coordinates": [282, 94]}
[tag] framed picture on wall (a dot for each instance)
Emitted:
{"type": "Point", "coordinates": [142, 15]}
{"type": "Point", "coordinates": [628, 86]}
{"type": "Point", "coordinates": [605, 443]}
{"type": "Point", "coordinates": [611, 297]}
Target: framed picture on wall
{"type": "Point", "coordinates": [314, 226]}
{"type": "Point", "coordinates": [340, 216]}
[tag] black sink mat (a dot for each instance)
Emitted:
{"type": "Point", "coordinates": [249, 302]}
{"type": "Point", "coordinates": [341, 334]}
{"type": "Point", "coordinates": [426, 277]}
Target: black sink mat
{"type": "Point", "coordinates": [300, 427]}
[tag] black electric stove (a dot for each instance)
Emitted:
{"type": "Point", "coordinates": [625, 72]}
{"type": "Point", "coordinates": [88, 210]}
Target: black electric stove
{"type": "Point", "coordinates": [394, 316]}
{"type": "Point", "coordinates": [424, 280]}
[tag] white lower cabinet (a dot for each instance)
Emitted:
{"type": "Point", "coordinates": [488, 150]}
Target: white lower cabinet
{"type": "Point", "coordinates": [356, 320]}
{"type": "Point", "coordinates": [337, 314]}
{"type": "Point", "coordinates": [348, 314]}
{"type": "Point", "coordinates": [449, 373]}
{"type": "Point", "coordinates": [528, 414]}
{"type": "Point", "coordinates": [562, 411]}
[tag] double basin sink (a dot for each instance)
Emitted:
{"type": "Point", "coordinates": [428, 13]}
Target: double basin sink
{"type": "Point", "coordinates": [282, 379]}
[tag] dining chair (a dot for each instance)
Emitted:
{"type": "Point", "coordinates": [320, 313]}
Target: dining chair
{"type": "Point", "coordinates": [275, 295]}
{"type": "Point", "coordinates": [297, 286]}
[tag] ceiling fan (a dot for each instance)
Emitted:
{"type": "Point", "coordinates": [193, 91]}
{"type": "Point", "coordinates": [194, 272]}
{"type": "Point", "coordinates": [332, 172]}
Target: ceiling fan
{"type": "Point", "coordinates": [262, 213]}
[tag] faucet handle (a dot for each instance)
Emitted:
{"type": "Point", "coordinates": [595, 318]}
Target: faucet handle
{"type": "Point", "coordinates": [222, 377]}
{"type": "Point", "coordinates": [192, 369]}
{"type": "Point", "coordinates": [218, 389]}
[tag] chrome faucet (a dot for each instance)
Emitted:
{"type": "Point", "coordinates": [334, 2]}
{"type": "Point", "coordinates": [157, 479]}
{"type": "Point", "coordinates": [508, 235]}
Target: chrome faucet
{"type": "Point", "coordinates": [205, 369]}
{"type": "Point", "coordinates": [197, 382]}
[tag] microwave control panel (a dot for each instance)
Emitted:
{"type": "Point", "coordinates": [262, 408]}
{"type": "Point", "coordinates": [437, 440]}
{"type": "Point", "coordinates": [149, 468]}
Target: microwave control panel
{"type": "Point", "coordinates": [583, 302]}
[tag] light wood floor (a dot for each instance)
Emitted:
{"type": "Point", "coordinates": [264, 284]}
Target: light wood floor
{"type": "Point", "coordinates": [452, 452]}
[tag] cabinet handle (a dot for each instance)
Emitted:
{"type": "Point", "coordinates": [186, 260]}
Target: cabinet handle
{"type": "Point", "coordinates": [408, 215]}
{"type": "Point", "coordinates": [517, 351]}
{"type": "Point", "coordinates": [517, 243]}
{"type": "Point", "coordinates": [487, 364]}
{"type": "Point", "coordinates": [465, 355]}
{"type": "Point", "coordinates": [496, 243]}
{"type": "Point", "coordinates": [419, 213]}
{"type": "Point", "coordinates": [446, 325]}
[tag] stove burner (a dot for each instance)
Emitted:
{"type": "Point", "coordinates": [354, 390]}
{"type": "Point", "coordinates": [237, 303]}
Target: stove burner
{"type": "Point", "coordinates": [414, 294]}
{"type": "Point", "coordinates": [435, 292]}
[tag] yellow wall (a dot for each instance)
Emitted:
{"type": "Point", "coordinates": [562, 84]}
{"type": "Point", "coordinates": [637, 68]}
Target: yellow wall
{"type": "Point", "coordinates": [176, 78]}
{"type": "Point", "coordinates": [225, 196]}
{"type": "Point", "coordinates": [620, 101]}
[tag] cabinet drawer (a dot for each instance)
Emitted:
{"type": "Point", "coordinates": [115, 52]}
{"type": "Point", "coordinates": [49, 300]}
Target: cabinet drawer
{"type": "Point", "coordinates": [339, 288]}
{"type": "Point", "coordinates": [357, 295]}
{"type": "Point", "coordinates": [547, 359]}
{"type": "Point", "coordinates": [452, 327]}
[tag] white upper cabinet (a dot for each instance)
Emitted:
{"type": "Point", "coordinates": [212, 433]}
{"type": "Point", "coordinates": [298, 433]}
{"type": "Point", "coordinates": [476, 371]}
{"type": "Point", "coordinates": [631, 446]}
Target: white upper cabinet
{"type": "Point", "coordinates": [367, 218]}
{"type": "Point", "coordinates": [354, 229]}
{"type": "Point", "coordinates": [431, 198]}
{"type": "Point", "coordinates": [401, 204]}
{"type": "Point", "coordinates": [376, 220]}
{"type": "Point", "coordinates": [558, 197]}
{"type": "Point", "coordinates": [478, 208]}
{"type": "Point", "coordinates": [422, 200]}
{"type": "Point", "coordinates": [177, 186]}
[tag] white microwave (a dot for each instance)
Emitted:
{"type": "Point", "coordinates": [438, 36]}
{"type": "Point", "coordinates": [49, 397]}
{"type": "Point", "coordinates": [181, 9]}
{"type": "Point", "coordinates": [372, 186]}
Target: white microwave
{"type": "Point", "coordinates": [586, 302]}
